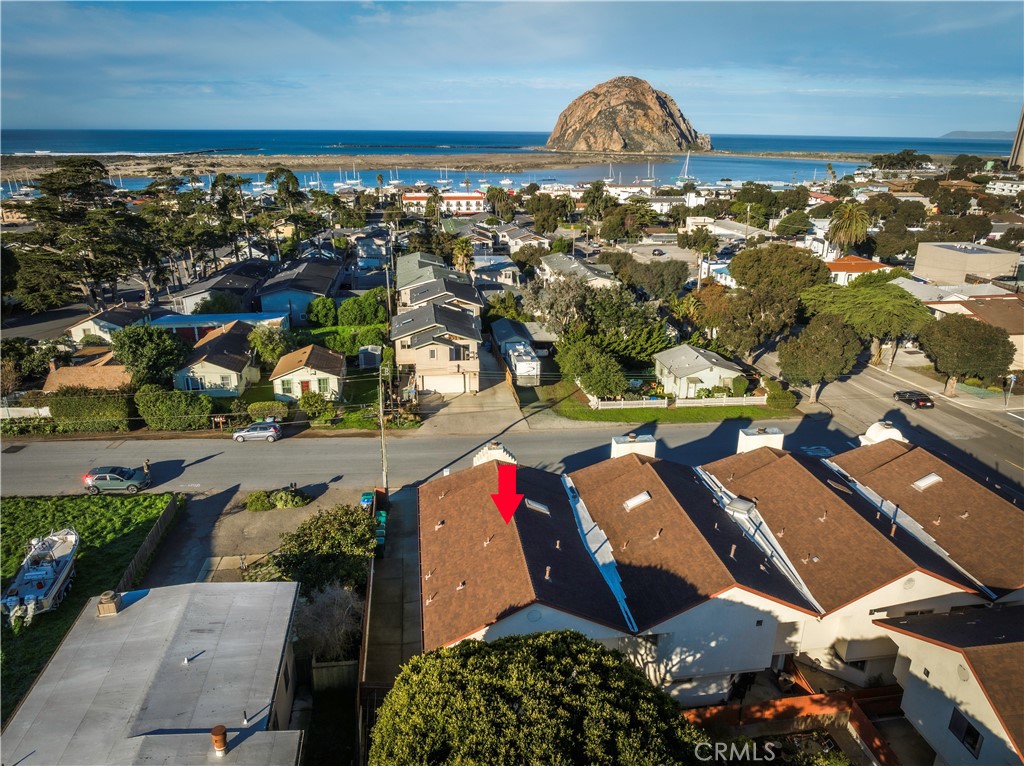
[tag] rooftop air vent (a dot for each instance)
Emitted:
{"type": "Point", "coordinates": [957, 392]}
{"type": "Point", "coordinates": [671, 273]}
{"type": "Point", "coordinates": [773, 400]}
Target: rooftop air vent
{"type": "Point", "coordinates": [637, 500]}
{"type": "Point", "coordinates": [739, 507]}
{"type": "Point", "coordinates": [926, 481]}
{"type": "Point", "coordinates": [533, 505]}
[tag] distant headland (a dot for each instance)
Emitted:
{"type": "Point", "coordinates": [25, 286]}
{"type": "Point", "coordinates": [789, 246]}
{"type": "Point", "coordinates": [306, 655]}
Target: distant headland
{"type": "Point", "coordinates": [983, 135]}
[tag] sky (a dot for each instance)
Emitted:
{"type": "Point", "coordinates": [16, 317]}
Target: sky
{"type": "Point", "coordinates": [785, 68]}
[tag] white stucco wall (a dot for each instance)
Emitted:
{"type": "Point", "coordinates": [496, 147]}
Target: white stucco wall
{"type": "Point", "coordinates": [335, 385]}
{"type": "Point", "coordinates": [928, 702]}
{"type": "Point", "coordinates": [854, 622]}
{"type": "Point", "coordinates": [211, 376]}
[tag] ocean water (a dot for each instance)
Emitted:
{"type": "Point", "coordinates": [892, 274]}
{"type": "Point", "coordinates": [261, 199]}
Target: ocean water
{"type": "Point", "coordinates": [368, 142]}
{"type": "Point", "coordinates": [706, 168]}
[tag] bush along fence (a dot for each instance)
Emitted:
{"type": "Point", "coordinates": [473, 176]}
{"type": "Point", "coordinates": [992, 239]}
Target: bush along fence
{"type": "Point", "coordinates": [142, 556]}
{"type": "Point", "coordinates": [77, 408]}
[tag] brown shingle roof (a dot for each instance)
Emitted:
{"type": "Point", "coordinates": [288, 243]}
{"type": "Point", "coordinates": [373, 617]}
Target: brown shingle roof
{"type": "Point", "coordinates": [688, 562]}
{"type": "Point", "coordinates": [980, 530]}
{"type": "Point", "coordinates": [100, 374]}
{"type": "Point", "coordinates": [841, 558]}
{"type": "Point", "coordinates": [315, 357]}
{"type": "Point", "coordinates": [993, 643]}
{"type": "Point", "coordinates": [508, 573]}
{"type": "Point", "coordinates": [226, 347]}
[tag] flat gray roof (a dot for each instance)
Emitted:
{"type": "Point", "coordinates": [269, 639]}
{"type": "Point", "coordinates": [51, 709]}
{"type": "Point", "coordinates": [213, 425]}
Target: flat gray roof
{"type": "Point", "coordinates": [117, 690]}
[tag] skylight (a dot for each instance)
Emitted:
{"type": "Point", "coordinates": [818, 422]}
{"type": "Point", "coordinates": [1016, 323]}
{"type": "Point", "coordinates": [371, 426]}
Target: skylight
{"type": "Point", "coordinates": [533, 505]}
{"type": "Point", "coordinates": [926, 481]}
{"type": "Point", "coordinates": [637, 500]}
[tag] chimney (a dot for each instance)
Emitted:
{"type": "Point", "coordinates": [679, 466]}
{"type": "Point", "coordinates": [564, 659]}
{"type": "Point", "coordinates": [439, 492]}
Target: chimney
{"type": "Point", "coordinates": [494, 451]}
{"type": "Point", "coordinates": [754, 438]}
{"type": "Point", "coordinates": [109, 604]}
{"type": "Point", "coordinates": [633, 443]}
{"type": "Point", "coordinates": [219, 734]}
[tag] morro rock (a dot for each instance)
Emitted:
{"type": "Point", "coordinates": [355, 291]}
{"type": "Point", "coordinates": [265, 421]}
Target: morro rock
{"type": "Point", "coordinates": [625, 115]}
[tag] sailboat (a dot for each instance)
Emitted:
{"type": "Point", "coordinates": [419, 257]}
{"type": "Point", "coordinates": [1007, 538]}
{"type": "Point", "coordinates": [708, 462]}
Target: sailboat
{"type": "Point", "coordinates": [611, 176]}
{"type": "Point", "coordinates": [650, 176]}
{"type": "Point", "coordinates": [443, 182]}
{"type": "Point", "coordinates": [684, 178]}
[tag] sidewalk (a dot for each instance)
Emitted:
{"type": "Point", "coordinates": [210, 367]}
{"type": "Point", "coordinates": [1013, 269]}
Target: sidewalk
{"type": "Point", "coordinates": [902, 370]}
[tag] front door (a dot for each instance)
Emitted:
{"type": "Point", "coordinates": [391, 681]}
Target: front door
{"type": "Point", "coordinates": [304, 385]}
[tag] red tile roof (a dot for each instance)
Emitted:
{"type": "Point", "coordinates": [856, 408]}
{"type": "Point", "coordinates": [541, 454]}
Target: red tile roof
{"type": "Point", "coordinates": [854, 264]}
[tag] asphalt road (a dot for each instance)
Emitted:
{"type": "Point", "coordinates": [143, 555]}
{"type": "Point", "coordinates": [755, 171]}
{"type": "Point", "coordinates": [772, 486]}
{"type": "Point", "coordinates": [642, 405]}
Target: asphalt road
{"type": "Point", "coordinates": [214, 465]}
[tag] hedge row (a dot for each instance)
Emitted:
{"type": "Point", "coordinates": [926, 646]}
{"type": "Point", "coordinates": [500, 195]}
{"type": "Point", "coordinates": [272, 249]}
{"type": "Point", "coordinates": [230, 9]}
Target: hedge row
{"type": "Point", "coordinates": [77, 408]}
{"type": "Point", "coordinates": [164, 410]}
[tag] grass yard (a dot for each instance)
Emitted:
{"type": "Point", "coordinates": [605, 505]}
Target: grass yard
{"type": "Point", "coordinates": [359, 393]}
{"type": "Point", "coordinates": [258, 392]}
{"type": "Point", "coordinates": [563, 400]}
{"type": "Point", "coordinates": [112, 529]}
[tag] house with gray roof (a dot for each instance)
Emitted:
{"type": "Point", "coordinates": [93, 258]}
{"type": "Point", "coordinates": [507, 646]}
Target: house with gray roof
{"type": "Point", "coordinates": [299, 282]}
{"type": "Point", "coordinates": [108, 321]}
{"type": "Point", "coordinates": [144, 678]}
{"type": "Point", "coordinates": [416, 269]}
{"type": "Point", "coordinates": [221, 363]}
{"type": "Point", "coordinates": [440, 345]}
{"type": "Point", "coordinates": [239, 279]}
{"type": "Point", "coordinates": [559, 266]}
{"type": "Point", "coordinates": [684, 370]}
{"type": "Point", "coordinates": [445, 291]}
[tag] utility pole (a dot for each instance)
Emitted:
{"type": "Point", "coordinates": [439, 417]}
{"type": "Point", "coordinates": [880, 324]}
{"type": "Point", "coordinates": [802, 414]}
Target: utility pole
{"type": "Point", "coordinates": [383, 439]}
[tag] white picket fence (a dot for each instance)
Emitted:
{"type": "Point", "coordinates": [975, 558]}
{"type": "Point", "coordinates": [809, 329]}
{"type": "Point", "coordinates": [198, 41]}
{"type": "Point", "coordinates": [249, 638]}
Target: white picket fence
{"type": "Point", "coordinates": [635, 404]}
{"type": "Point", "coordinates": [24, 412]}
{"type": "Point", "coordinates": [721, 402]}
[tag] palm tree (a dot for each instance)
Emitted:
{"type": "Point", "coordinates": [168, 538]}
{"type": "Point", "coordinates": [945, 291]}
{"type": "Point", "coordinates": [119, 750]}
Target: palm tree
{"type": "Point", "coordinates": [380, 187]}
{"type": "Point", "coordinates": [462, 255]}
{"type": "Point", "coordinates": [849, 225]}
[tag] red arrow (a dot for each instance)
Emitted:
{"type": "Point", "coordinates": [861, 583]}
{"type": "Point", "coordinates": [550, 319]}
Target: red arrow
{"type": "Point", "coordinates": [507, 499]}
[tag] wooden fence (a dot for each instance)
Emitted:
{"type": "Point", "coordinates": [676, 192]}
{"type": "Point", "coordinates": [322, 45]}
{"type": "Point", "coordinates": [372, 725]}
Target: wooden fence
{"type": "Point", "coordinates": [335, 676]}
{"type": "Point", "coordinates": [148, 546]}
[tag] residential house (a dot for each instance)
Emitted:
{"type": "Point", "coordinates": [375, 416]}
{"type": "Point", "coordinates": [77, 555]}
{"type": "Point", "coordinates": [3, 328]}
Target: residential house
{"type": "Point", "coordinates": [193, 327]}
{"type": "Point", "coordinates": [154, 670]}
{"type": "Point", "coordinates": [718, 270]}
{"type": "Point", "coordinates": [292, 289]}
{"type": "Point", "coordinates": [441, 345]}
{"type": "Point", "coordinates": [108, 321]}
{"type": "Point", "coordinates": [969, 526]}
{"type": "Point", "coordinates": [662, 205]}
{"type": "Point", "coordinates": [1006, 187]}
{"type": "Point", "coordinates": [415, 269]}
{"type": "Point", "coordinates": [101, 374]}
{"type": "Point", "coordinates": [496, 270]}
{"type": "Point", "coordinates": [312, 368]}
{"type": "Point", "coordinates": [725, 228]}
{"type": "Point", "coordinates": [558, 266]}
{"type": "Point", "coordinates": [517, 238]}
{"type": "Point", "coordinates": [927, 292]}
{"type": "Point", "coordinates": [844, 270]}
{"type": "Point", "coordinates": [817, 530]}
{"type": "Point", "coordinates": [443, 291]}
{"type": "Point", "coordinates": [962, 676]}
{"type": "Point", "coordinates": [1005, 311]}
{"type": "Point", "coordinates": [696, 574]}
{"type": "Point", "coordinates": [221, 363]}
{"type": "Point", "coordinates": [684, 370]}
{"type": "Point", "coordinates": [239, 279]}
{"type": "Point", "coordinates": [951, 262]}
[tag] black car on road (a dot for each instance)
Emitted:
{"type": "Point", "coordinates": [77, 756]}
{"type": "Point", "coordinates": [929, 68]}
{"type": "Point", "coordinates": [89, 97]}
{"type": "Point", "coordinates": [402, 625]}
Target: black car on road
{"type": "Point", "coordinates": [916, 399]}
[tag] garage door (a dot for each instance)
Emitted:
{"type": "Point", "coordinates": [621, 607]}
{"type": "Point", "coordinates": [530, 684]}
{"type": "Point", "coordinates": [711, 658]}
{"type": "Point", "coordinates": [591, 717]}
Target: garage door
{"type": "Point", "coordinates": [443, 384]}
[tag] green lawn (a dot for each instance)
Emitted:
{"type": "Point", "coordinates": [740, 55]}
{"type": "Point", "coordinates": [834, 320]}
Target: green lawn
{"type": "Point", "coordinates": [564, 401]}
{"type": "Point", "coordinates": [359, 408]}
{"type": "Point", "coordinates": [259, 392]}
{"type": "Point", "coordinates": [112, 529]}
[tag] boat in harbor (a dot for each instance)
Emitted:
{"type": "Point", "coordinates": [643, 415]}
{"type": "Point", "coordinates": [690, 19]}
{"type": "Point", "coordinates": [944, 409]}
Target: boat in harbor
{"type": "Point", "coordinates": [684, 178]}
{"type": "Point", "coordinates": [44, 578]}
{"type": "Point", "coordinates": [506, 182]}
{"type": "Point", "coordinates": [611, 176]}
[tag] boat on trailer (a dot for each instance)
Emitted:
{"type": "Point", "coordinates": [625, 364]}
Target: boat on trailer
{"type": "Point", "coordinates": [44, 578]}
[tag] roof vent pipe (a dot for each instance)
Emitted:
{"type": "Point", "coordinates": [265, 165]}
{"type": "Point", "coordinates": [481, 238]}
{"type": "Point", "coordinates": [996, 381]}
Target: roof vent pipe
{"type": "Point", "coordinates": [219, 735]}
{"type": "Point", "coordinates": [732, 551]}
{"type": "Point", "coordinates": [547, 573]}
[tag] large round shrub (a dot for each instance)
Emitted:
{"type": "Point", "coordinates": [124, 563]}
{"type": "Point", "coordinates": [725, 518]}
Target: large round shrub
{"type": "Point", "coordinates": [555, 698]}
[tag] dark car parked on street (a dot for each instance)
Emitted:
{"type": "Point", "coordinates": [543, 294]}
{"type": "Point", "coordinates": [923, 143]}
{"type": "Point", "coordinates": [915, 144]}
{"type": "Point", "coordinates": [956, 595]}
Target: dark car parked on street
{"type": "Point", "coordinates": [657, 251]}
{"type": "Point", "coordinates": [916, 399]}
{"type": "Point", "coordinates": [270, 432]}
{"type": "Point", "coordinates": [115, 478]}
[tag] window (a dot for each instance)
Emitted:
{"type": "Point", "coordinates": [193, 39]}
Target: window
{"type": "Point", "coordinates": [323, 385]}
{"type": "Point", "coordinates": [286, 386]}
{"type": "Point", "coordinates": [965, 732]}
{"type": "Point", "coordinates": [225, 381]}
{"type": "Point", "coordinates": [432, 354]}
{"type": "Point", "coordinates": [760, 623]}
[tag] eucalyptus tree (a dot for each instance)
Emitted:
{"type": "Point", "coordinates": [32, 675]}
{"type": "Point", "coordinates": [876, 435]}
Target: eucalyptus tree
{"type": "Point", "coordinates": [288, 193]}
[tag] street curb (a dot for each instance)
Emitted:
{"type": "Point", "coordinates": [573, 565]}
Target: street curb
{"type": "Point", "coordinates": [953, 399]}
